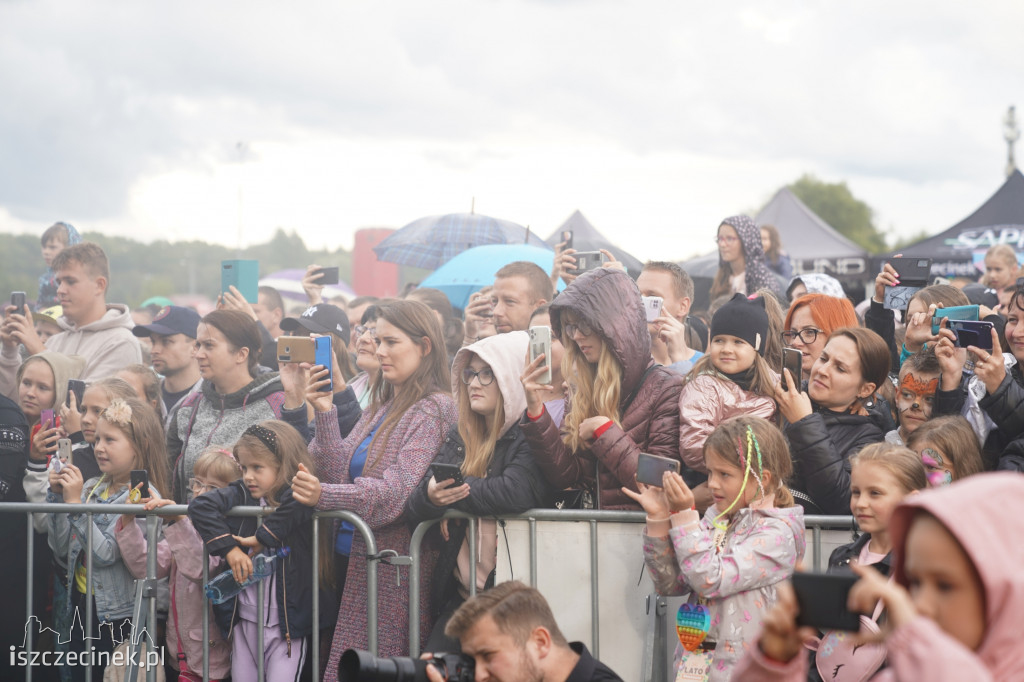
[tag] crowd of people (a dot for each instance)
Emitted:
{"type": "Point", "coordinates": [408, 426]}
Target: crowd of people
{"type": "Point", "coordinates": [884, 415]}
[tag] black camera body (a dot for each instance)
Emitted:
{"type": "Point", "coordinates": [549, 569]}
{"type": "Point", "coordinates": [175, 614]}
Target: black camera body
{"type": "Point", "coordinates": [364, 666]}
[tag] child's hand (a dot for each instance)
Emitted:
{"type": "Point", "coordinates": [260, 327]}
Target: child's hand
{"type": "Point", "coordinates": [781, 639]}
{"type": "Point", "coordinates": [156, 503]}
{"type": "Point", "coordinates": [443, 494]}
{"type": "Point", "coordinates": [306, 487]}
{"type": "Point", "coordinates": [129, 518]}
{"type": "Point", "coordinates": [44, 444]}
{"type": "Point", "coordinates": [867, 592]}
{"type": "Point", "coordinates": [240, 563]}
{"type": "Point", "coordinates": [71, 482]}
{"type": "Point", "coordinates": [651, 498]}
{"type": "Point", "coordinates": [251, 543]}
{"type": "Point", "coordinates": [679, 495]}
{"type": "Point", "coordinates": [70, 417]}
{"type": "Point", "coordinates": [951, 359]}
{"type": "Point", "coordinates": [55, 481]}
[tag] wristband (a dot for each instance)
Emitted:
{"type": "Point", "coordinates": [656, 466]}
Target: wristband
{"type": "Point", "coordinates": [539, 415]}
{"type": "Point", "coordinates": [599, 431]}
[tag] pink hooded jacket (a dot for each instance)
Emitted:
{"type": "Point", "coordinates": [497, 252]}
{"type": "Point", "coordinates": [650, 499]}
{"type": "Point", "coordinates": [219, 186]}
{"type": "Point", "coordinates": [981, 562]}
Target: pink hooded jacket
{"type": "Point", "coordinates": [985, 513]}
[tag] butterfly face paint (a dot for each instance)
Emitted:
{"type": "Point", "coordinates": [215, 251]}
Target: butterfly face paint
{"type": "Point", "coordinates": [914, 401]}
{"type": "Point", "coordinates": [939, 473]}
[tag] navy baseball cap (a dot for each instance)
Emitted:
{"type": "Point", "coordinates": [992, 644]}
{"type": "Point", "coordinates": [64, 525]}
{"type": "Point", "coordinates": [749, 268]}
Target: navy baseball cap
{"type": "Point", "coordinates": [322, 318]}
{"type": "Point", "coordinates": [171, 319]}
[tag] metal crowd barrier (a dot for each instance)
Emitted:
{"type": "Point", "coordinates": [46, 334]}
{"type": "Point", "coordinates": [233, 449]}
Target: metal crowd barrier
{"type": "Point", "coordinates": [148, 586]}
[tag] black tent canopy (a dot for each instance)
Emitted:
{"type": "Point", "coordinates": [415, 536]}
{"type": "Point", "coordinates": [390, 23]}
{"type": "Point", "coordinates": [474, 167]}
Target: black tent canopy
{"type": "Point", "coordinates": [585, 237]}
{"type": "Point", "coordinates": [1000, 220]}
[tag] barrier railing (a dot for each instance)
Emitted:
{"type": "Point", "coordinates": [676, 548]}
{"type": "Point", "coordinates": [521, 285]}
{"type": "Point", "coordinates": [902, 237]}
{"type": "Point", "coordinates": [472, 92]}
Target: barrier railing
{"type": "Point", "coordinates": [148, 585]}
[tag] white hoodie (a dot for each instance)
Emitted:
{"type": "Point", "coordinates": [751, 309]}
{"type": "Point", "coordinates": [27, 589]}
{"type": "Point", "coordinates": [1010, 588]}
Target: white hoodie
{"type": "Point", "coordinates": [106, 344]}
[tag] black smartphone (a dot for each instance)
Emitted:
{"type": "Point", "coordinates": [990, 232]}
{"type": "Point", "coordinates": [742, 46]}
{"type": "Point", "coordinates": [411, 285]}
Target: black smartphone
{"type": "Point", "coordinates": [822, 598]}
{"type": "Point", "coordinates": [442, 472]}
{"type": "Point", "coordinates": [327, 275]}
{"type": "Point", "coordinates": [650, 469]}
{"type": "Point", "coordinates": [912, 271]}
{"type": "Point", "coordinates": [77, 387]}
{"type": "Point", "coordinates": [140, 476]}
{"type": "Point", "coordinates": [18, 299]}
{"type": "Point", "coordinates": [793, 360]}
{"type": "Point", "coordinates": [977, 333]}
{"type": "Point", "coordinates": [567, 238]}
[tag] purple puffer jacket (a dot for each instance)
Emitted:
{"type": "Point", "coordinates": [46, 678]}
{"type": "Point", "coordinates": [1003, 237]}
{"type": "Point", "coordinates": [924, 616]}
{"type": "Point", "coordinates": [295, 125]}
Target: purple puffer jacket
{"type": "Point", "coordinates": [609, 300]}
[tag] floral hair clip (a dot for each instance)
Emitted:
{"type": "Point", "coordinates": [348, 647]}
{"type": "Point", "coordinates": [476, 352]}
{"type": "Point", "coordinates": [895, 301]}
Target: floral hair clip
{"type": "Point", "coordinates": [118, 412]}
{"type": "Point", "coordinates": [266, 436]}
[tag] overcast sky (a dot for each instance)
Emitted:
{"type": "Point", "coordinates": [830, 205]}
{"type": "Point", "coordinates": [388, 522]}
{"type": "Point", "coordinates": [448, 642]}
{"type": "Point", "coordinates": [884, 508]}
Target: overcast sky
{"type": "Point", "coordinates": [655, 119]}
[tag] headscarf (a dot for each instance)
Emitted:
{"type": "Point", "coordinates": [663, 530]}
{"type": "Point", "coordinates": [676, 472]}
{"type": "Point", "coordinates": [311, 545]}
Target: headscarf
{"type": "Point", "coordinates": [757, 275]}
{"type": "Point", "coordinates": [817, 283]}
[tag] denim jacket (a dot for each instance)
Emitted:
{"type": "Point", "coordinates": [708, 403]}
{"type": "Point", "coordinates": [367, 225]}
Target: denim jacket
{"type": "Point", "coordinates": [113, 584]}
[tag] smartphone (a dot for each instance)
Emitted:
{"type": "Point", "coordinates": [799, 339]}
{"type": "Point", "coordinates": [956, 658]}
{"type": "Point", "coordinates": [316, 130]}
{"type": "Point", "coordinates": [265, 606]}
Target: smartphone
{"type": "Point", "coordinates": [822, 598]}
{"type": "Point", "coordinates": [652, 307]}
{"type": "Point", "coordinates": [64, 451]}
{"type": "Point", "coordinates": [18, 299]}
{"type": "Point", "coordinates": [244, 275]}
{"type": "Point", "coordinates": [912, 271]}
{"type": "Point", "coordinates": [442, 472]}
{"type": "Point", "coordinates": [650, 469]}
{"type": "Point", "coordinates": [540, 342]}
{"type": "Point", "coordinates": [323, 355]}
{"type": "Point", "coordinates": [140, 476]}
{"type": "Point", "coordinates": [959, 312]}
{"type": "Point", "coordinates": [327, 275]}
{"type": "Point", "coordinates": [898, 297]}
{"type": "Point", "coordinates": [588, 260]}
{"type": "Point", "coordinates": [567, 238]}
{"type": "Point", "coordinates": [77, 387]}
{"type": "Point", "coordinates": [972, 333]}
{"type": "Point", "coordinates": [296, 349]}
{"type": "Point", "coordinates": [793, 360]}
{"type": "Point", "coordinates": [46, 420]}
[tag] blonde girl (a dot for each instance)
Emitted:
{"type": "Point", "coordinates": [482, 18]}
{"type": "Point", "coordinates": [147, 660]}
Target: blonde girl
{"type": "Point", "coordinates": [749, 540]}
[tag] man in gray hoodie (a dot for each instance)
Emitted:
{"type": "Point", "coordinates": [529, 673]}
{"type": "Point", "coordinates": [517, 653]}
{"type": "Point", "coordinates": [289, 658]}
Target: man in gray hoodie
{"type": "Point", "coordinates": [99, 332]}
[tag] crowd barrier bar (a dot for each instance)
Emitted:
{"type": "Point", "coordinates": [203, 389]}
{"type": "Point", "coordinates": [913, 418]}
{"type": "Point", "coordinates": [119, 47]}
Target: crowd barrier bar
{"type": "Point", "coordinates": [592, 517]}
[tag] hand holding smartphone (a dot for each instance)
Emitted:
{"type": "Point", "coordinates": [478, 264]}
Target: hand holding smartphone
{"type": "Point", "coordinates": [650, 469]}
{"type": "Point", "coordinates": [327, 275]}
{"type": "Point", "coordinates": [822, 598]}
{"type": "Point", "coordinates": [18, 300]}
{"type": "Point", "coordinates": [540, 342]}
{"type": "Point", "coordinates": [443, 472]}
{"type": "Point", "coordinates": [793, 360]}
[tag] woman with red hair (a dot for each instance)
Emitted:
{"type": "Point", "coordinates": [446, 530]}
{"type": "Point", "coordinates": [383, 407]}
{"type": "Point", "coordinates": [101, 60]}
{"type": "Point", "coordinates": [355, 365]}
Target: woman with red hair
{"type": "Point", "coordinates": [811, 320]}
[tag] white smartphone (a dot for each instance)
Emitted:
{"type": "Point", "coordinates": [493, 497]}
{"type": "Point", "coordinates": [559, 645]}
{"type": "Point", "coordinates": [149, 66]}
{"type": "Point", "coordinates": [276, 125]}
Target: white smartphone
{"type": "Point", "coordinates": [652, 307]}
{"type": "Point", "coordinates": [540, 342]}
{"type": "Point", "coordinates": [63, 457]}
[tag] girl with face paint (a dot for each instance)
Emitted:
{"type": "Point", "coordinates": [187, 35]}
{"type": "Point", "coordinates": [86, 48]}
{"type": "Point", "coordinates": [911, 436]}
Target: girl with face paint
{"type": "Point", "coordinates": [948, 449]}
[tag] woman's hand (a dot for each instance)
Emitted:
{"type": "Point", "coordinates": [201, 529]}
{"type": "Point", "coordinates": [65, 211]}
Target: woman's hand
{"type": "Point", "coordinates": [240, 563]}
{"type": "Point", "coordinates": [872, 588]}
{"type": "Point", "coordinates": [781, 638]}
{"type": "Point", "coordinates": [679, 495]}
{"type": "Point", "coordinates": [71, 483]}
{"type": "Point", "coordinates": [156, 503]}
{"type": "Point", "coordinates": [44, 444]}
{"type": "Point", "coordinates": [532, 386]}
{"type": "Point", "coordinates": [232, 299]}
{"type": "Point", "coordinates": [70, 417]}
{"type": "Point", "coordinates": [294, 380]}
{"type": "Point", "coordinates": [591, 424]}
{"type": "Point", "coordinates": [651, 498]}
{"type": "Point", "coordinates": [794, 404]}
{"type": "Point", "coordinates": [314, 290]}
{"type": "Point", "coordinates": [888, 277]}
{"type": "Point", "coordinates": [306, 487]}
{"type": "Point", "coordinates": [951, 359]}
{"type": "Point", "coordinates": [989, 367]}
{"type": "Point", "coordinates": [442, 494]}
{"type": "Point", "coordinates": [318, 392]}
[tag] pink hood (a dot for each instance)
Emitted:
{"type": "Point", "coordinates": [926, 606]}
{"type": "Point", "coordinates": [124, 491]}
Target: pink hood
{"type": "Point", "coordinates": [984, 513]}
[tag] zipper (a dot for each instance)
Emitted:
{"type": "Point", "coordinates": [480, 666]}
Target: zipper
{"type": "Point", "coordinates": [287, 630]}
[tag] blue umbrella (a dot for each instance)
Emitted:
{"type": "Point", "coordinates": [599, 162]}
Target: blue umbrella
{"type": "Point", "coordinates": [433, 241]}
{"type": "Point", "coordinates": [474, 269]}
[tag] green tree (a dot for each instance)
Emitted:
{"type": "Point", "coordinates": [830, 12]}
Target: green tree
{"type": "Point", "coordinates": [837, 206]}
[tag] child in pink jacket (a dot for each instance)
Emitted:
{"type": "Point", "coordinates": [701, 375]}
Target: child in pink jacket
{"type": "Point", "coordinates": [958, 553]}
{"type": "Point", "coordinates": [180, 555]}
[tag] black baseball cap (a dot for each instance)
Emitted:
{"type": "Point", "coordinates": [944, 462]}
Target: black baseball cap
{"type": "Point", "coordinates": [322, 318]}
{"type": "Point", "coordinates": [171, 319]}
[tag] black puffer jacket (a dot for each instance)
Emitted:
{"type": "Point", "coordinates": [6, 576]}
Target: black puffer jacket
{"type": "Point", "coordinates": [821, 445]}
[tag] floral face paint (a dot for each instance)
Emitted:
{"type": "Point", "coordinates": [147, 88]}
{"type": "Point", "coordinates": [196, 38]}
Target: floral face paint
{"type": "Point", "coordinates": [939, 472]}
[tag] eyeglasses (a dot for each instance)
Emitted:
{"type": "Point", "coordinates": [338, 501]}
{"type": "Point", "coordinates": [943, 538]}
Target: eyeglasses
{"type": "Point", "coordinates": [581, 327]}
{"type": "Point", "coordinates": [362, 329]}
{"type": "Point", "coordinates": [198, 487]}
{"type": "Point", "coordinates": [485, 376]}
{"type": "Point", "coordinates": [808, 336]}
{"type": "Point", "coordinates": [727, 239]}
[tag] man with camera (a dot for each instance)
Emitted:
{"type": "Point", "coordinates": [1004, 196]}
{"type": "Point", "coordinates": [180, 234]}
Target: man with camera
{"type": "Point", "coordinates": [511, 634]}
{"type": "Point", "coordinates": [519, 289]}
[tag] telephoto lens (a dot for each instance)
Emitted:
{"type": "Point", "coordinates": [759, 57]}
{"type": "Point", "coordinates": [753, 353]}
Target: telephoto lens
{"type": "Point", "coordinates": [362, 666]}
